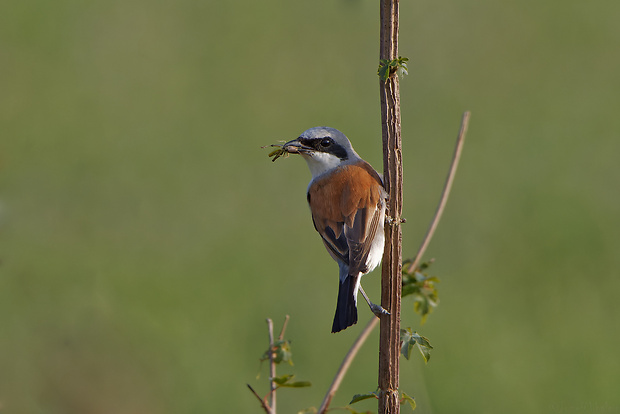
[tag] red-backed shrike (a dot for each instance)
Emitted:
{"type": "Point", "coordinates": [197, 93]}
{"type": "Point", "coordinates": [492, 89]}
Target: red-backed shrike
{"type": "Point", "coordinates": [347, 200]}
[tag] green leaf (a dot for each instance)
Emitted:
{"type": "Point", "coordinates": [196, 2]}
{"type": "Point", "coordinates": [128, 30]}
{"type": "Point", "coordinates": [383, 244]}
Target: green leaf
{"type": "Point", "coordinates": [407, 399]}
{"type": "Point", "coordinates": [297, 384]}
{"type": "Point", "coordinates": [410, 339]}
{"type": "Point", "coordinates": [282, 379]}
{"type": "Point", "coordinates": [405, 349]}
{"type": "Point", "coordinates": [423, 346]}
{"type": "Point", "coordinates": [361, 397]}
{"type": "Point", "coordinates": [285, 381]}
{"type": "Point", "coordinates": [383, 72]}
{"type": "Point", "coordinates": [406, 343]}
{"type": "Point", "coordinates": [309, 410]}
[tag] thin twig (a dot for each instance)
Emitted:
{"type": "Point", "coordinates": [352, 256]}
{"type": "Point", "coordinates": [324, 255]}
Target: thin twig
{"type": "Point", "coordinates": [460, 140]}
{"type": "Point", "coordinates": [284, 327]}
{"type": "Point", "coordinates": [346, 362]}
{"type": "Point", "coordinates": [272, 368]}
{"type": "Point", "coordinates": [262, 402]}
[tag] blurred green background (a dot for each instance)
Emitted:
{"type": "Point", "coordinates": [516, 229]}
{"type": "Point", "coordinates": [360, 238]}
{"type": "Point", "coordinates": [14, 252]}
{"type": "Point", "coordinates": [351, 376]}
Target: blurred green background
{"type": "Point", "coordinates": [145, 236]}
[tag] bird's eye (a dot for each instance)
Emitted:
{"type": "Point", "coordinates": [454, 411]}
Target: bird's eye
{"type": "Point", "coordinates": [326, 142]}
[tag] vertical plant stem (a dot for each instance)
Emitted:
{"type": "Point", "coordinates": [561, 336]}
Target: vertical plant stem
{"type": "Point", "coordinates": [391, 276]}
{"type": "Point", "coordinates": [272, 369]}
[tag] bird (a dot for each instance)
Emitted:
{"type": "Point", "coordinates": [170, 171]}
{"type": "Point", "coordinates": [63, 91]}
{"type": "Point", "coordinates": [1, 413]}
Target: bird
{"type": "Point", "coordinates": [347, 200]}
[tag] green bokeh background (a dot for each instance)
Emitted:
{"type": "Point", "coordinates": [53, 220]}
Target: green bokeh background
{"type": "Point", "coordinates": [145, 236]}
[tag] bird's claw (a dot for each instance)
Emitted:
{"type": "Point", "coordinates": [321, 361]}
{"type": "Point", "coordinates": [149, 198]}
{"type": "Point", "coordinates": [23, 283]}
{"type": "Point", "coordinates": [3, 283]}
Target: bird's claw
{"type": "Point", "coordinates": [394, 221]}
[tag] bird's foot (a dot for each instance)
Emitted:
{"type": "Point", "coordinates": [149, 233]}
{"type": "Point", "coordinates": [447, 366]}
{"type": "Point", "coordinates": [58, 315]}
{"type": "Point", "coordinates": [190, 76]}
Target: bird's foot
{"type": "Point", "coordinates": [391, 221]}
{"type": "Point", "coordinates": [378, 310]}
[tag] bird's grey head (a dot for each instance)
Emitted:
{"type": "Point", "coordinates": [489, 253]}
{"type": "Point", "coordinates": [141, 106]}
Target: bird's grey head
{"type": "Point", "coordinates": [323, 148]}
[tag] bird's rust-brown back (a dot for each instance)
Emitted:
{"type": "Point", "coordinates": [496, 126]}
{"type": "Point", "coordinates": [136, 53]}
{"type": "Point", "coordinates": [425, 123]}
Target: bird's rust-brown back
{"type": "Point", "coordinates": [337, 197]}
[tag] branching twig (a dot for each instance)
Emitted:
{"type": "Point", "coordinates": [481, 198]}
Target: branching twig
{"type": "Point", "coordinates": [271, 409]}
{"type": "Point", "coordinates": [346, 362]}
{"type": "Point", "coordinates": [460, 140]}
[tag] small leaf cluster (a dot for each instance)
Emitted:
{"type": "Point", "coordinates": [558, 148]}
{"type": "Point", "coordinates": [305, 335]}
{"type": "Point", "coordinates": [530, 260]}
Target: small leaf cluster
{"type": "Point", "coordinates": [409, 339]}
{"type": "Point", "coordinates": [388, 67]}
{"type": "Point", "coordinates": [422, 287]}
{"type": "Point", "coordinates": [281, 352]}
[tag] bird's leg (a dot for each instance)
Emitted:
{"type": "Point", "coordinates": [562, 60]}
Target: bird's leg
{"type": "Point", "coordinates": [376, 309]}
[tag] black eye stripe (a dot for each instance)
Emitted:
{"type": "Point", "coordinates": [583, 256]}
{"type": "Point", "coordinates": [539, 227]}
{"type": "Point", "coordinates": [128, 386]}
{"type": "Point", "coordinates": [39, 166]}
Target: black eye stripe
{"type": "Point", "coordinates": [333, 147]}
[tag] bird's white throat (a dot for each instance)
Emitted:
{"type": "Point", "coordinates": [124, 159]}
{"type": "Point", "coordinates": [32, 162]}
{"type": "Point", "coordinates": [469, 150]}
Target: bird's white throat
{"type": "Point", "coordinates": [321, 162]}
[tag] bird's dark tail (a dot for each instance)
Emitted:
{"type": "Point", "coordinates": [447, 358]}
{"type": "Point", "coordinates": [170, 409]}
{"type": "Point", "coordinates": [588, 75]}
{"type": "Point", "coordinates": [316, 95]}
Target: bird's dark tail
{"type": "Point", "coordinates": [346, 310]}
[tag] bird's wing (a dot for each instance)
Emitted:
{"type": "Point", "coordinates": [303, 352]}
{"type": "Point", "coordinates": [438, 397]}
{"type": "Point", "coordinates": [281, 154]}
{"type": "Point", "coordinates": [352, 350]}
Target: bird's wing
{"type": "Point", "coordinates": [360, 236]}
{"type": "Point", "coordinates": [362, 203]}
{"type": "Point", "coordinates": [337, 246]}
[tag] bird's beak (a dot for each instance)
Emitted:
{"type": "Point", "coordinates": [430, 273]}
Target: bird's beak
{"type": "Point", "coordinates": [295, 147]}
